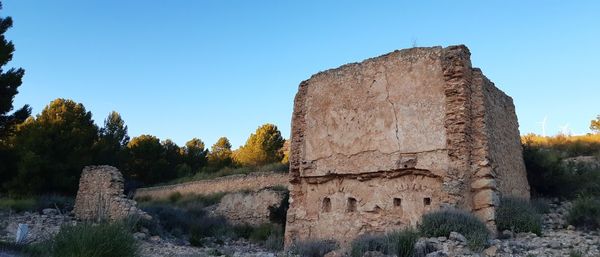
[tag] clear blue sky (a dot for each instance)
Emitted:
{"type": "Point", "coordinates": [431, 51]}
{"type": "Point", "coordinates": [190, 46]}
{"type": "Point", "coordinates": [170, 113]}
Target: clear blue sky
{"type": "Point", "coordinates": [184, 69]}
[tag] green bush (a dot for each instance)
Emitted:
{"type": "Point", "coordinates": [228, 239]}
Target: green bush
{"type": "Point", "coordinates": [274, 167]}
{"type": "Point", "coordinates": [173, 220]}
{"type": "Point", "coordinates": [547, 173]}
{"type": "Point", "coordinates": [542, 205]}
{"type": "Point", "coordinates": [17, 205]}
{"type": "Point", "coordinates": [87, 240]}
{"type": "Point", "coordinates": [262, 232]}
{"type": "Point", "coordinates": [442, 222]}
{"type": "Point", "coordinates": [399, 243]}
{"type": "Point", "coordinates": [275, 239]}
{"type": "Point", "coordinates": [176, 199]}
{"type": "Point", "coordinates": [313, 248]}
{"type": "Point", "coordinates": [271, 235]}
{"type": "Point", "coordinates": [585, 213]}
{"type": "Point", "coordinates": [63, 203]}
{"type": "Point", "coordinates": [208, 226]}
{"type": "Point", "coordinates": [518, 215]}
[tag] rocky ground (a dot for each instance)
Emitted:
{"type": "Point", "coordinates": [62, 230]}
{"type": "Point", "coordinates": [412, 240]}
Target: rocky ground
{"type": "Point", "coordinates": [48, 223]}
{"type": "Point", "coordinates": [557, 239]}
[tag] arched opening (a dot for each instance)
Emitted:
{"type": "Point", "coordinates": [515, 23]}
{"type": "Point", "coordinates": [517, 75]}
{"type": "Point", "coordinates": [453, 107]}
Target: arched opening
{"type": "Point", "coordinates": [351, 206]}
{"type": "Point", "coordinates": [326, 205]}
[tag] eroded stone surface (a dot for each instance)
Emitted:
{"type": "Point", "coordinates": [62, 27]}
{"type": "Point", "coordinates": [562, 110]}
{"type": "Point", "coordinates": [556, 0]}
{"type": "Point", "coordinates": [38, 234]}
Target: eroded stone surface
{"type": "Point", "coordinates": [100, 196]}
{"type": "Point", "coordinates": [250, 208]}
{"type": "Point", "coordinates": [377, 144]}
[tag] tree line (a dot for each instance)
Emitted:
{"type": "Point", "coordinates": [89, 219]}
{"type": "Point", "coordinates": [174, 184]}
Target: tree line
{"type": "Point", "coordinates": [46, 153]}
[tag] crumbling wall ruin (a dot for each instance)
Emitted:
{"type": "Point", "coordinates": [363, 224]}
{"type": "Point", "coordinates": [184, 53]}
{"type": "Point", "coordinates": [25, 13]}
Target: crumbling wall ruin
{"type": "Point", "coordinates": [100, 196]}
{"type": "Point", "coordinates": [377, 144]}
{"type": "Point", "coordinates": [251, 208]}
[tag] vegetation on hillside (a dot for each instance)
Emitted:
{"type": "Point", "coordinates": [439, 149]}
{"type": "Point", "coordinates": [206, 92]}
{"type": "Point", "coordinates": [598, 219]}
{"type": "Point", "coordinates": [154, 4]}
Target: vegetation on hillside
{"type": "Point", "coordinates": [46, 153]}
{"type": "Point", "coordinates": [551, 175]}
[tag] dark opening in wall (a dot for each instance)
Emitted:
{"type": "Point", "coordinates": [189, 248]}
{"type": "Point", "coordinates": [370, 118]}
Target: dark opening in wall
{"type": "Point", "coordinates": [397, 202]}
{"type": "Point", "coordinates": [426, 201]}
{"type": "Point", "coordinates": [326, 207]}
{"type": "Point", "coordinates": [351, 207]}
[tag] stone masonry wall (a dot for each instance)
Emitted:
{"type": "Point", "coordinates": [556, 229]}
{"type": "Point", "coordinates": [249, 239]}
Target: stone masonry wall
{"type": "Point", "coordinates": [377, 144]}
{"type": "Point", "coordinates": [100, 196]}
{"type": "Point", "coordinates": [253, 181]}
{"type": "Point", "coordinates": [504, 142]}
{"type": "Point", "coordinates": [250, 208]}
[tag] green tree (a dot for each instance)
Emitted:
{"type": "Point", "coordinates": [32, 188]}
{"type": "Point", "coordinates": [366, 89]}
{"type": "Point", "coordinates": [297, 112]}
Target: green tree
{"type": "Point", "coordinates": [54, 147]}
{"type": "Point", "coordinates": [10, 81]}
{"type": "Point", "coordinates": [595, 124]}
{"type": "Point", "coordinates": [195, 154]}
{"type": "Point", "coordinates": [262, 147]}
{"type": "Point", "coordinates": [173, 155]}
{"type": "Point", "coordinates": [146, 160]}
{"type": "Point", "coordinates": [220, 153]}
{"type": "Point", "coordinates": [112, 141]}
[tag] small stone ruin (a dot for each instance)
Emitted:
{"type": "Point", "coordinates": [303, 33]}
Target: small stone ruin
{"type": "Point", "coordinates": [250, 208]}
{"type": "Point", "coordinates": [100, 196]}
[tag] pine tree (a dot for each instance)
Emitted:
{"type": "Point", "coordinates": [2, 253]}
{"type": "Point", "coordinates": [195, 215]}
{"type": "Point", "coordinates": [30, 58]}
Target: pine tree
{"type": "Point", "coordinates": [220, 153]}
{"type": "Point", "coordinates": [595, 125]}
{"type": "Point", "coordinates": [54, 147]}
{"type": "Point", "coordinates": [10, 81]}
{"type": "Point", "coordinates": [195, 154]}
{"type": "Point", "coordinates": [113, 140]}
{"type": "Point", "coordinates": [261, 148]}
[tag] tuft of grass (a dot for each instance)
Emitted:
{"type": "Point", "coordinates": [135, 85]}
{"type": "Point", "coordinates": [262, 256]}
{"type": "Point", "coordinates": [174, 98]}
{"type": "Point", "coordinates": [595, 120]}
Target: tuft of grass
{"type": "Point", "coordinates": [313, 248]}
{"type": "Point", "coordinates": [101, 240]}
{"type": "Point", "coordinates": [585, 213]}
{"type": "Point", "coordinates": [399, 243]}
{"type": "Point", "coordinates": [542, 205]}
{"type": "Point", "coordinates": [275, 239]}
{"type": "Point", "coordinates": [518, 215]}
{"type": "Point", "coordinates": [442, 222]}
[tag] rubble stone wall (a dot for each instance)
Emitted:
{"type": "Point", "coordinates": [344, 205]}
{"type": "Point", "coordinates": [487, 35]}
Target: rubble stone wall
{"type": "Point", "coordinates": [250, 208]}
{"type": "Point", "coordinates": [100, 195]}
{"type": "Point", "coordinates": [377, 144]}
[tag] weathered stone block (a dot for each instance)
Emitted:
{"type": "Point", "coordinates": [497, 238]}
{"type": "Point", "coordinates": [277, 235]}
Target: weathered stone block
{"type": "Point", "coordinates": [376, 144]}
{"type": "Point", "coordinates": [250, 208]}
{"type": "Point", "coordinates": [100, 196]}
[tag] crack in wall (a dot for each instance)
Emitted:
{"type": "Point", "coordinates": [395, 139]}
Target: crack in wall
{"type": "Point", "coordinates": [364, 176]}
{"type": "Point", "coordinates": [387, 98]}
{"type": "Point", "coordinates": [340, 155]}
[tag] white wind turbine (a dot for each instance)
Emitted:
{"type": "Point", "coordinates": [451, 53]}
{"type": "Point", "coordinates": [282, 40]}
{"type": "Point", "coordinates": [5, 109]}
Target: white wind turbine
{"type": "Point", "coordinates": [543, 123]}
{"type": "Point", "coordinates": [564, 129]}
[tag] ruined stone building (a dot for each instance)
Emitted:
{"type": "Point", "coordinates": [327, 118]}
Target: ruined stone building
{"type": "Point", "coordinates": [377, 144]}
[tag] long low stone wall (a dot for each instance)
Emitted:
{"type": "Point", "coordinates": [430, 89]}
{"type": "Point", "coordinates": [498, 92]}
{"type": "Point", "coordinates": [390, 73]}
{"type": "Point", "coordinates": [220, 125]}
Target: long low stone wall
{"type": "Point", "coordinates": [253, 181]}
